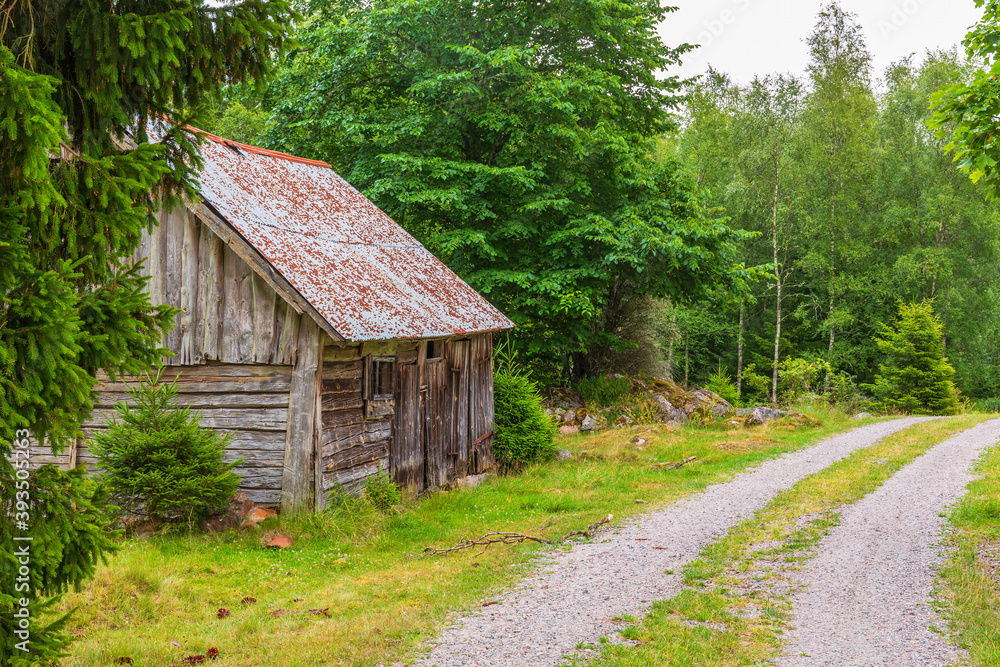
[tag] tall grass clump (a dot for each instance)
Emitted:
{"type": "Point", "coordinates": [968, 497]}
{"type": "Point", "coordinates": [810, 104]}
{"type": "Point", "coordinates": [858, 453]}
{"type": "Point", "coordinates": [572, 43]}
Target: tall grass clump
{"type": "Point", "coordinates": [382, 492]}
{"type": "Point", "coordinates": [523, 431]}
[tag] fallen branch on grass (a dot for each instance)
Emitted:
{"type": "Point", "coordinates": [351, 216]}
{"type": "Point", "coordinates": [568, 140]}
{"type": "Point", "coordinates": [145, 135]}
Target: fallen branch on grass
{"type": "Point", "coordinates": [498, 537]}
{"type": "Point", "coordinates": [493, 537]}
{"type": "Point", "coordinates": [675, 464]}
{"type": "Point", "coordinates": [590, 529]}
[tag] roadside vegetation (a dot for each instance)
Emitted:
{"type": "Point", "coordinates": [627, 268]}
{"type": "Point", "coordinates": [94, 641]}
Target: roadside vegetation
{"type": "Point", "coordinates": [735, 605]}
{"type": "Point", "coordinates": [375, 597]}
{"type": "Point", "coordinates": [971, 580]}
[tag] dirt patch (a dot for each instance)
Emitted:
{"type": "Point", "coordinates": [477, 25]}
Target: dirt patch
{"type": "Point", "coordinates": [752, 443]}
{"type": "Point", "coordinates": [988, 559]}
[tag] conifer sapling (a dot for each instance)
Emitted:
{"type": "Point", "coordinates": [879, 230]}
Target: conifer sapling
{"type": "Point", "coordinates": [916, 377]}
{"type": "Point", "coordinates": [157, 461]}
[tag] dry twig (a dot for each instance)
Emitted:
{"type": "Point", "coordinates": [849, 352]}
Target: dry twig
{"type": "Point", "coordinates": [492, 537]}
{"type": "Point", "coordinates": [675, 464]}
{"type": "Point", "coordinates": [499, 537]}
{"type": "Point", "coordinates": [590, 529]}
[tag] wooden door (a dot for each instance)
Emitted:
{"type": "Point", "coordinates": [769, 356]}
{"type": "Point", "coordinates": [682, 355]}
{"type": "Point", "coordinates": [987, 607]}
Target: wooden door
{"type": "Point", "coordinates": [481, 405]}
{"type": "Point", "coordinates": [436, 436]}
{"type": "Point", "coordinates": [457, 357]}
{"type": "Point", "coordinates": [407, 451]}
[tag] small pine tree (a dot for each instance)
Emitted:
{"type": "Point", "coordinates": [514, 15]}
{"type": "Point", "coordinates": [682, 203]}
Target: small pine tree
{"type": "Point", "coordinates": [158, 462]}
{"type": "Point", "coordinates": [917, 377]}
{"type": "Point", "coordinates": [523, 431]}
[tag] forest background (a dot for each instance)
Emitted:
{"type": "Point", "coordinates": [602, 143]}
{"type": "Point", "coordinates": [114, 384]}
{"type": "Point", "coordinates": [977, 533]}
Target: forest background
{"type": "Point", "coordinates": [852, 201]}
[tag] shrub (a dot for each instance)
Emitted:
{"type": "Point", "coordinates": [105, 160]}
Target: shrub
{"type": "Point", "coordinates": [799, 377]}
{"type": "Point", "coordinates": [158, 462]}
{"type": "Point", "coordinates": [916, 377]}
{"type": "Point", "coordinates": [382, 492]}
{"type": "Point", "coordinates": [523, 432]}
{"type": "Point", "coordinates": [604, 391]}
{"type": "Point", "coordinates": [986, 404]}
{"type": "Point", "coordinates": [845, 395]}
{"type": "Point", "coordinates": [756, 387]}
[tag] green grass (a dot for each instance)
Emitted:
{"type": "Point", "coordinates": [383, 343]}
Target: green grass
{"type": "Point", "coordinates": [735, 606]}
{"type": "Point", "coordinates": [971, 580]}
{"type": "Point", "coordinates": [383, 597]}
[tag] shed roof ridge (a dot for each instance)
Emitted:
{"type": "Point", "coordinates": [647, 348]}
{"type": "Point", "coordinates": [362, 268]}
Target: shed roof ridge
{"type": "Point", "coordinates": [257, 149]}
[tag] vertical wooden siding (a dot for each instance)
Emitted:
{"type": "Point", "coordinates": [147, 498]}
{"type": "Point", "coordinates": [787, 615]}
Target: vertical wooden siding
{"type": "Point", "coordinates": [457, 357]}
{"type": "Point", "coordinates": [437, 434]}
{"type": "Point", "coordinates": [407, 450]}
{"type": "Point", "coordinates": [227, 312]}
{"type": "Point", "coordinates": [481, 405]}
{"type": "Point", "coordinates": [298, 480]}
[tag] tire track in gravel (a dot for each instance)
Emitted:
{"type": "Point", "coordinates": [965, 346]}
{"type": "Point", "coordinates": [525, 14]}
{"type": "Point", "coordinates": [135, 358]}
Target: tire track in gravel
{"type": "Point", "coordinates": [543, 619]}
{"type": "Point", "coordinates": [868, 596]}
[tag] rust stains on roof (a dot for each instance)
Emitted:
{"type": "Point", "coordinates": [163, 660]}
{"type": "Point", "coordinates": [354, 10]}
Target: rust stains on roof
{"type": "Point", "coordinates": [361, 271]}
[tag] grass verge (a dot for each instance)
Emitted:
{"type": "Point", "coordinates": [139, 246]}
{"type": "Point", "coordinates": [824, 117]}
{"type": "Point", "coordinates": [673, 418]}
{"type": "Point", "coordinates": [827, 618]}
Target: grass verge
{"type": "Point", "coordinates": [376, 597]}
{"type": "Point", "coordinates": [736, 601]}
{"type": "Point", "coordinates": [970, 582]}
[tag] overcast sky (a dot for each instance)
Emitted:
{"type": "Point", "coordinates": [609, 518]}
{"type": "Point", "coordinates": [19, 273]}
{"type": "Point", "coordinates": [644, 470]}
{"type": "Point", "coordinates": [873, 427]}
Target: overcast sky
{"type": "Point", "coordinates": [747, 37]}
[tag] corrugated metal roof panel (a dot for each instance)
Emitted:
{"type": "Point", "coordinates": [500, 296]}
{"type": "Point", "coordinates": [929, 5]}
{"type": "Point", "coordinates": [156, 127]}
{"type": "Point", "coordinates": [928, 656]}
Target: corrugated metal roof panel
{"type": "Point", "coordinates": [361, 271]}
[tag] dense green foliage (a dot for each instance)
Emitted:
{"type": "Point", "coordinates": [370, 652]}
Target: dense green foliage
{"type": "Point", "coordinates": [523, 432]}
{"type": "Point", "coordinates": [917, 377]}
{"type": "Point", "coordinates": [76, 76]}
{"type": "Point", "coordinates": [967, 111]}
{"type": "Point", "coordinates": [157, 462]}
{"type": "Point", "coordinates": [604, 390]}
{"type": "Point", "coordinates": [857, 204]}
{"type": "Point", "coordinates": [514, 140]}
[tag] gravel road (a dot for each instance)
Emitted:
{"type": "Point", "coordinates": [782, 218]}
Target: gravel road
{"type": "Point", "coordinates": [574, 601]}
{"type": "Point", "coordinates": [868, 597]}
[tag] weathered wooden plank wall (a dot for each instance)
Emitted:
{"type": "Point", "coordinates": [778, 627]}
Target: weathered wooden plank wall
{"type": "Point", "coordinates": [352, 448]}
{"type": "Point", "coordinates": [248, 402]}
{"type": "Point", "coordinates": [437, 435]}
{"type": "Point", "coordinates": [407, 450]}
{"type": "Point", "coordinates": [438, 432]}
{"type": "Point", "coordinates": [481, 405]}
{"type": "Point", "coordinates": [42, 455]}
{"type": "Point", "coordinates": [298, 475]}
{"type": "Point", "coordinates": [457, 356]}
{"type": "Point", "coordinates": [441, 405]}
{"type": "Point", "coordinates": [228, 313]}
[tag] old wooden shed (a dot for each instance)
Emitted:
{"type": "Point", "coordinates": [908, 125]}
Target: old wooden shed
{"type": "Point", "coordinates": [324, 338]}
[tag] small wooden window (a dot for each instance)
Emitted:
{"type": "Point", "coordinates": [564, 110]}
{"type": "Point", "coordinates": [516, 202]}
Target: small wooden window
{"type": "Point", "coordinates": [381, 378]}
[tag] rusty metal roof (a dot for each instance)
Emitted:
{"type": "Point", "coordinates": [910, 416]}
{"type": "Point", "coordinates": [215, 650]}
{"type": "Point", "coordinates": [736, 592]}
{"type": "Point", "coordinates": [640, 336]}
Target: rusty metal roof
{"type": "Point", "coordinates": [360, 270]}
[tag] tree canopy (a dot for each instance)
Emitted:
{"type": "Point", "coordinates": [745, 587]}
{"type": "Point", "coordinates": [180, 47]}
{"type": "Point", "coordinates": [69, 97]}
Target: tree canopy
{"type": "Point", "coordinates": [858, 203]}
{"type": "Point", "coordinates": [514, 139]}
{"type": "Point", "coordinates": [967, 111]}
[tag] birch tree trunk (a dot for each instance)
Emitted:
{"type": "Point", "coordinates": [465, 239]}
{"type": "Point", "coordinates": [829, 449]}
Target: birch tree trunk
{"type": "Point", "coordinates": [739, 353]}
{"type": "Point", "coordinates": [777, 280]}
{"type": "Point", "coordinates": [833, 276]}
